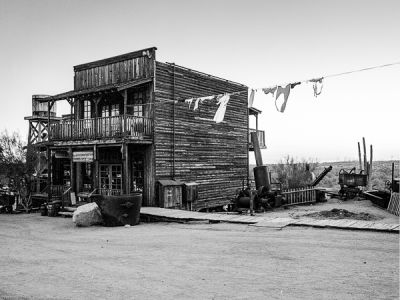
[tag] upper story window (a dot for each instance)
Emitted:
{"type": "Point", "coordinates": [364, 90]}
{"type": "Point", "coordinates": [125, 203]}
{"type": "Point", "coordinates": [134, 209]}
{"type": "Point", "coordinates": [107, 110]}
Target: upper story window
{"type": "Point", "coordinates": [87, 109]}
{"type": "Point", "coordinates": [110, 110]}
{"type": "Point", "coordinates": [138, 100]}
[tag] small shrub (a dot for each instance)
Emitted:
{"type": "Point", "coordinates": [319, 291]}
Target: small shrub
{"type": "Point", "coordinates": [294, 174]}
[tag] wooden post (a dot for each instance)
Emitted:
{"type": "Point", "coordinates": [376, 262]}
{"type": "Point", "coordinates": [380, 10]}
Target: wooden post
{"type": "Point", "coordinates": [96, 116]}
{"type": "Point", "coordinates": [125, 181]}
{"type": "Point", "coordinates": [252, 202]}
{"type": "Point", "coordinates": [359, 156]}
{"type": "Point", "coordinates": [370, 167]}
{"type": "Point", "coordinates": [96, 168]}
{"type": "Point", "coordinates": [256, 147]}
{"type": "Point", "coordinates": [365, 156]}
{"type": "Point", "coordinates": [48, 174]}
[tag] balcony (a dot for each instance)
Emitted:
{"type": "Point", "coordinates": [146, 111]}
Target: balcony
{"type": "Point", "coordinates": [261, 139]}
{"type": "Point", "coordinates": [123, 126]}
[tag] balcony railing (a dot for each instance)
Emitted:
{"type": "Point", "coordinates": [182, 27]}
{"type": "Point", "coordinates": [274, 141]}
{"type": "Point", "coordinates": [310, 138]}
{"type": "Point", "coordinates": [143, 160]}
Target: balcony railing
{"type": "Point", "coordinates": [99, 128]}
{"type": "Point", "coordinates": [261, 139]}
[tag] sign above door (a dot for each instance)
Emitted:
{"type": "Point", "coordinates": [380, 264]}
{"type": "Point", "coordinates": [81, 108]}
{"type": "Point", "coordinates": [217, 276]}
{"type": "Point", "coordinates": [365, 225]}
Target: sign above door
{"type": "Point", "coordinates": [82, 156]}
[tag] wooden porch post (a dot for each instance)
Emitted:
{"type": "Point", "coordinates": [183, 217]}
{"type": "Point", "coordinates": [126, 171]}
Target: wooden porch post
{"type": "Point", "coordinates": [96, 168]}
{"type": "Point", "coordinates": [126, 175]}
{"type": "Point", "coordinates": [72, 171]}
{"type": "Point", "coordinates": [96, 115]}
{"type": "Point", "coordinates": [49, 174]}
{"type": "Point", "coordinates": [71, 103]}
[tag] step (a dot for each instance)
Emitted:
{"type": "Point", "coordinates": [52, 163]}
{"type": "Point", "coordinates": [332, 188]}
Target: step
{"type": "Point", "coordinates": [69, 208]}
{"type": "Point", "coordinates": [66, 213]}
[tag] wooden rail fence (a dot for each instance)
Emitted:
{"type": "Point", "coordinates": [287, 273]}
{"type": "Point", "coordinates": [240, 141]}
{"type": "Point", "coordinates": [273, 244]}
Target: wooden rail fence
{"type": "Point", "coordinates": [300, 195]}
{"type": "Point", "coordinates": [106, 127]}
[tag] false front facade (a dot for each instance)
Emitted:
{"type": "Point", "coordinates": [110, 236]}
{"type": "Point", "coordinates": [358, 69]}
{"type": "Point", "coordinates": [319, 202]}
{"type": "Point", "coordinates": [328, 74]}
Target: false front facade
{"type": "Point", "coordinates": [130, 130]}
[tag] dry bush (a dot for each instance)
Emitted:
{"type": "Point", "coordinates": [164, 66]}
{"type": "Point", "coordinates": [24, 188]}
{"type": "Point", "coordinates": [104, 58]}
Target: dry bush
{"type": "Point", "coordinates": [294, 174]}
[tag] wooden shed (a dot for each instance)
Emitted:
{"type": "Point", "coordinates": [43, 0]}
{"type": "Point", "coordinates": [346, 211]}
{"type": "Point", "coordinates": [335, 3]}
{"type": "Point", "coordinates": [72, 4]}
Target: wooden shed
{"type": "Point", "coordinates": [130, 128]}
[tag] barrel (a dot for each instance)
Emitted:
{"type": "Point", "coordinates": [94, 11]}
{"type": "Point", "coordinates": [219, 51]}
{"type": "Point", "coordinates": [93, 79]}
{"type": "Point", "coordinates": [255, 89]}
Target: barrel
{"type": "Point", "coordinates": [120, 210]}
{"type": "Point", "coordinates": [43, 210]}
{"type": "Point", "coordinates": [52, 210]}
{"type": "Point", "coordinates": [261, 177]}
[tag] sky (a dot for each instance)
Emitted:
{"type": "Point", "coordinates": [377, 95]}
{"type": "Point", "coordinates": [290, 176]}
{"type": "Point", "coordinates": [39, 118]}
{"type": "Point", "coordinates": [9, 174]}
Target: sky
{"type": "Point", "coordinates": [258, 43]}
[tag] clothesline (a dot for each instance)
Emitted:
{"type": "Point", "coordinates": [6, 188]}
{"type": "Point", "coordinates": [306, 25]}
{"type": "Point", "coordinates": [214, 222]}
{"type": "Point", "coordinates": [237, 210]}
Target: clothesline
{"type": "Point", "coordinates": [276, 91]}
{"type": "Point", "coordinates": [334, 75]}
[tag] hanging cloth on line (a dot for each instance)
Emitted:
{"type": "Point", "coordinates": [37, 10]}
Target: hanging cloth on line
{"type": "Point", "coordinates": [270, 90]}
{"type": "Point", "coordinates": [197, 101]}
{"type": "Point", "coordinates": [189, 101]}
{"type": "Point", "coordinates": [222, 102]}
{"type": "Point", "coordinates": [317, 84]}
{"type": "Point", "coordinates": [286, 92]}
{"type": "Point", "coordinates": [251, 99]}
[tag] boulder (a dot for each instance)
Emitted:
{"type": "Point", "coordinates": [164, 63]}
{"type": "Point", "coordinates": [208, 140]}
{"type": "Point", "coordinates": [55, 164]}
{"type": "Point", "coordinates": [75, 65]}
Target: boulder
{"type": "Point", "coordinates": [87, 215]}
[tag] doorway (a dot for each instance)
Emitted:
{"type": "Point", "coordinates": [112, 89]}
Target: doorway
{"type": "Point", "coordinates": [110, 179]}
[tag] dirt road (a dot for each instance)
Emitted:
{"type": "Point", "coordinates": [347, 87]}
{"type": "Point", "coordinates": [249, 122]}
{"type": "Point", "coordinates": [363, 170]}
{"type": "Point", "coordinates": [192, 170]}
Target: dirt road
{"type": "Point", "coordinates": [49, 258]}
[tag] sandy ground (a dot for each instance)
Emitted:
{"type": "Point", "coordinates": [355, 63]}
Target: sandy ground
{"type": "Point", "coordinates": [355, 206]}
{"type": "Point", "coordinates": [49, 258]}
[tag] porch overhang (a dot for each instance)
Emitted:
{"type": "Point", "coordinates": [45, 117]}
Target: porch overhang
{"type": "Point", "coordinates": [116, 87]}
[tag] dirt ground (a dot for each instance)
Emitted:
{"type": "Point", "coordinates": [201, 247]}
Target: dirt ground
{"type": "Point", "coordinates": [50, 258]}
{"type": "Point", "coordinates": [355, 206]}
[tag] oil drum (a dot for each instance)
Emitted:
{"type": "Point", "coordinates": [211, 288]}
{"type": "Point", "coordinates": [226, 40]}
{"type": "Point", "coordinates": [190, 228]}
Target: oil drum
{"type": "Point", "coordinates": [261, 177]}
{"type": "Point", "coordinates": [43, 210]}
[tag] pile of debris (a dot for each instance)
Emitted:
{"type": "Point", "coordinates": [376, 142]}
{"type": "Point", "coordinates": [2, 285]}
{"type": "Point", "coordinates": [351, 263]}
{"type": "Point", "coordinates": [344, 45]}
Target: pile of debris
{"type": "Point", "coordinates": [337, 214]}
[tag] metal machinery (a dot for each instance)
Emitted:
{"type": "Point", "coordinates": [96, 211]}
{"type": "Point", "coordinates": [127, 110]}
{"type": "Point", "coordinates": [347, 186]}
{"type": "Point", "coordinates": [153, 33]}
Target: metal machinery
{"type": "Point", "coordinates": [266, 196]}
{"type": "Point", "coordinates": [7, 200]}
{"type": "Point", "coordinates": [350, 183]}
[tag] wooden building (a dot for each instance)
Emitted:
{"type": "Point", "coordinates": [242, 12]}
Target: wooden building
{"type": "Point", "coordinates": [129, 129]}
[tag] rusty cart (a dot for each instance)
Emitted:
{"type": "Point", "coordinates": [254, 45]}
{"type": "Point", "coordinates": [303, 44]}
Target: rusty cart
{"type": "Point", "coordinates": [350, 183]}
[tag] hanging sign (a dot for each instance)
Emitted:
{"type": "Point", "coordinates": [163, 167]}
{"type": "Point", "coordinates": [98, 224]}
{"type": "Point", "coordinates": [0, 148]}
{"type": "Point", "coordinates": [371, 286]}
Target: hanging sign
{"type": "Point", "coordinates": [61, 154]}
{"type": "Point", "coordinates": [82, 156]}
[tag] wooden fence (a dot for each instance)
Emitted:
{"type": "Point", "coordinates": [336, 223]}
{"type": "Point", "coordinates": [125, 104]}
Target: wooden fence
{"type": "Point", "coordinates": [300, 195]}
{"type": "Point", "coordinates": [393, 206]}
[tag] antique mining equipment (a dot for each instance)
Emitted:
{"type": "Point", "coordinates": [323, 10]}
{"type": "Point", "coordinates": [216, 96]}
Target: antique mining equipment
{"type": "Point", "coordinates": [265, 197]}
{"type": "Point", "coordinates": [350, 183]}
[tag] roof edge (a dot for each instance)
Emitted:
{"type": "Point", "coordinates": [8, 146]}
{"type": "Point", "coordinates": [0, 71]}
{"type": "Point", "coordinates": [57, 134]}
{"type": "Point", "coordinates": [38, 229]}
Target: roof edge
{"type": "Point", "coordinates": [112, 59]}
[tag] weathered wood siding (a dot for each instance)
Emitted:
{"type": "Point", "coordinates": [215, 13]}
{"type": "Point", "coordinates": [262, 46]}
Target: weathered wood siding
{"type": "Point", "coordinates": [214, 155]}
{"type": "Point", "coordinates": [119, 69]}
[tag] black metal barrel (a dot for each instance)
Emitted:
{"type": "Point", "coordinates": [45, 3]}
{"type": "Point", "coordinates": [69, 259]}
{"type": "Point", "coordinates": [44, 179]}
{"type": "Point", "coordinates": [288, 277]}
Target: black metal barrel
{"type": "Point", "coordinates": [120, 210]}
{"type": "Point", "coordinates": [261, 177]}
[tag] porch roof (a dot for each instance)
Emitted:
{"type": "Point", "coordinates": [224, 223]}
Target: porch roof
{"type": "Point", "coordinates": [94, 90]}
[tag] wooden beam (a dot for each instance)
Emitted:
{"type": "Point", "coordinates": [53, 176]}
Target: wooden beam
{"type": "Point", "coordinates": [359, 156]}
{"type": "Point", "coordinates": [365, 156]}
{"type": "Point", "coordinates": [257, 150]}
{"type": "Point", "coordinates": [370, 167]}
{"type": "Point", "coordinates": [48, 174]}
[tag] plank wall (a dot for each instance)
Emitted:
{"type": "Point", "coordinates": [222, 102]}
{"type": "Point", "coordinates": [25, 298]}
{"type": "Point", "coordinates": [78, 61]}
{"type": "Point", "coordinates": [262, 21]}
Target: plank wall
{"type": "Point", "coordinates": [213, 155]}
{"type": "Point", "coordinates": [119, 69]}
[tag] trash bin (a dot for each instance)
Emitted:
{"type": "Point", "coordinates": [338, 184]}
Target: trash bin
{"type": "Point", "coordinates": [169, 193]}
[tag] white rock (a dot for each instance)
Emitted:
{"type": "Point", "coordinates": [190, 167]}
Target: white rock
{"type": "Point", "coordinates": [87, 215]}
